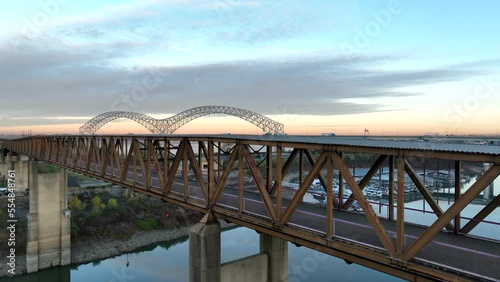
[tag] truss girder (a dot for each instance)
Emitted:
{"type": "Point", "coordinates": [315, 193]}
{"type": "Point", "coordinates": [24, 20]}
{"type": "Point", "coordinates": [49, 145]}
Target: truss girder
{"type": "Point", "coordinates": [159, 166]}
{"type": "Point", "coordinates": [171, 124]}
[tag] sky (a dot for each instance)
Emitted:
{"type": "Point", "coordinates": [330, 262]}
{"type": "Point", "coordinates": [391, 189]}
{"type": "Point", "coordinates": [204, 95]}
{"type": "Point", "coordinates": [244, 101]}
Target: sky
{"type": "Point", "coordinates": [381, 67]}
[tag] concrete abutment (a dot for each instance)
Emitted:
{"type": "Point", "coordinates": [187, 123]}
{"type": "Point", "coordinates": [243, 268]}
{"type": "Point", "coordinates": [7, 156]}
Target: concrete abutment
{"type": "Point", "coordinates": [49, 228]}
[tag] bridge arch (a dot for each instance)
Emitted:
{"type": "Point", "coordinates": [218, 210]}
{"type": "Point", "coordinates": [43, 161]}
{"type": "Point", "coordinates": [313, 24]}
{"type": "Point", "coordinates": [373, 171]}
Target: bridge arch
{"type": "Point", "coordinates": [97, 122]}
{"type": "Point", "coordinates": [171, 124]}
{"type": "Point", "coordinates": [265, 123]}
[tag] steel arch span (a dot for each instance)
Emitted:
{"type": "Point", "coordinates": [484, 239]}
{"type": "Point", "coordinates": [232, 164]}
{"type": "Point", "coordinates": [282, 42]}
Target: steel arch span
{"type": "Point", "coordinates": [97, 122]}
{"type": "Point", "coordinates": [171, 124]}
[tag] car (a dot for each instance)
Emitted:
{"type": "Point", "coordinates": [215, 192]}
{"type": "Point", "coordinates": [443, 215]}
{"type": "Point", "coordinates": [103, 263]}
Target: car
{"type": "Point", "coordinates": [3, 190]}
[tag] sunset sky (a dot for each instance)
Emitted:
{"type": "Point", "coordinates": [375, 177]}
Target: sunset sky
{"type": "Point", "coordinates": [392, 67]}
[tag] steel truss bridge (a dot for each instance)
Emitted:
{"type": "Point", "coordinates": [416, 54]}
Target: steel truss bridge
{"type": "Point", "coordinates": [171, 124]}
{"type": "Point", "coordinates": [240, 179]}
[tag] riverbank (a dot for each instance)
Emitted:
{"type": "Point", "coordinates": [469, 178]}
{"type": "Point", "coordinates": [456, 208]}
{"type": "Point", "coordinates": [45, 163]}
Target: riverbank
{"type": "Point", "coordinates": [89, 249]}
{"type": "Point", "coordinates": [130, 223]}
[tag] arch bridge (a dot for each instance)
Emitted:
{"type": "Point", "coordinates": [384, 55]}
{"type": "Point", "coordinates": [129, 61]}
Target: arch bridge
{"type": "Point", "coordinates": [171, 124]}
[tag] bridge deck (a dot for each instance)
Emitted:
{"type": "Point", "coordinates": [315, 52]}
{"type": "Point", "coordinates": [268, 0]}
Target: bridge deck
{"type": "Point", "coordinates": [463, 253]}
{"type": "Point", "coordinates": [149, 164]}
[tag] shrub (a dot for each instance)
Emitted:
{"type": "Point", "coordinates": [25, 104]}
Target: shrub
{"type": "Point", "coordinates": [75, 229]}
{"type": "Point", "coordinates": [113, 204]}
{"type": "Point", "coordinates": [95, 212]}
{"type": "Point", "coordinates": [96, 201]}
{"type": "Point", "coordinates": [147, 225]}
{"type": "Point", "coordinates": [76, 204]}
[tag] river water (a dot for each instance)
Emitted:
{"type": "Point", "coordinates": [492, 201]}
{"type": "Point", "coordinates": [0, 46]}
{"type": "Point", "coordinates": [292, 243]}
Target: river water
{"type": "Point", "coordinates": [169, 261]}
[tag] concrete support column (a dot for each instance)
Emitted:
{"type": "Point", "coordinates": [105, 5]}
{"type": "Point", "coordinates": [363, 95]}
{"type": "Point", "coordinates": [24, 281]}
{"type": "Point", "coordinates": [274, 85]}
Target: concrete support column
{"type": "Point", "coordinates": [21, 166]}
{"type": "Point", "coordinates": [204, 250]}
{"type": "Point", "coordinates": [277, 251]}
{"type": "Point", "coordinates": [8, 160]}
{"type": "Point", "coordinates": [49, 219]}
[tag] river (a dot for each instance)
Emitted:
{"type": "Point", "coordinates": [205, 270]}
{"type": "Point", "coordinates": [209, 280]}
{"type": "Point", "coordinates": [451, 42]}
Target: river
{"type": "Point", "coordinates": [169, 261]}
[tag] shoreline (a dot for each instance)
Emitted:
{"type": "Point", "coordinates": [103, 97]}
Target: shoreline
{"type": "Point", "coordinates": [89, 250]}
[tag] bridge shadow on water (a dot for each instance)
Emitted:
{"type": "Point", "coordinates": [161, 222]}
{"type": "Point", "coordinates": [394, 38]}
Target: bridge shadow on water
{"type": "Point", "coordinates": [54, 274]}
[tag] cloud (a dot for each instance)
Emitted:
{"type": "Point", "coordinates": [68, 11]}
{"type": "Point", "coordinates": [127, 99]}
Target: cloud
{"type": "Point", "coordinates": [78, 68]}
{"type": "Point", "coordinates": [79, 81]}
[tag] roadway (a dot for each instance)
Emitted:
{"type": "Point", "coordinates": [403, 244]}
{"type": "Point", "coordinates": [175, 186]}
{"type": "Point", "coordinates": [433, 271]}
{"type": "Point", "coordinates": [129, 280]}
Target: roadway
{"type": "Point", "coordinates": [463, 254]}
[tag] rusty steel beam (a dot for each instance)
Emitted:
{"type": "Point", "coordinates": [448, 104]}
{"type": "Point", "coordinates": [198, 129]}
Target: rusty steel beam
{"type": "Point", "coordinates": [225, 175]}
{"type": "Point", "coordinates": [279, 179]}
{"type": "Point", "coordinates": [286, 167]}
{"type": "Point", "coordinates": [452, 211]}
{"type": "Point", "coordinates": [425, 193]}
{"type": "Point", "coordinates": [104, 157]}
{"type": "Point", "coordinates": [269, 160]}
{"type": "Point", "coordinates": [211, 170]}
{"type": "Point", "coordinates": [366, 179]}
{"type": "Point", "coordinates": [400, 223]}
{"type": "Point", "coordinates": [391, 188]}
{"type": "Point", "coordinates": [329, 198]}
{"type": "Point", "coordinates": [241, 202]}
{"type": "Point", "coordinates": [480, 216]}
{"type": "Point", "coordinates": [367, 209]}
{"type": "Point", "coordinates": [320, 176]}
{"type": "Point", "coordinates": [257, 176]}
{"type": "Point", "coordinates": [458, 190]}
{"type": "Point", "coordinates": [197, 170]}
{"type": "Point", "coordinates": [175, 166]}
{"type": "Point", "coordinates": [154, 156]}
{"type": "Point", "coordinates": [304, 186]}
{"type": "Point", "coordinates": [89, 155]}
{"type": "Point", "coordinates": [185, 171]}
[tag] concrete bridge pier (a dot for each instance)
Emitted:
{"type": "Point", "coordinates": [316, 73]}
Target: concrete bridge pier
{"type": "Point", "coordinates": [19, 164]}
{"type": "Point", "coordinates": [270, 265]}
{"type": "Point", "coordinates": [5, 164]}
{"type": "Point", "coordinates": [49, 229]}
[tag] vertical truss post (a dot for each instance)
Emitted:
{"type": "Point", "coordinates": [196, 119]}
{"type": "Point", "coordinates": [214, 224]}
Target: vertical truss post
{"type": "Point", "coordinates": [166, 162]}
{"type": "Point", "coordinates": [329, 197]}
{"type": "Point", "coordinates": [219, 166]}
{"type": "Point", "coordinates": [240, 178]}
{"type": "Point", "coordinates": [149, 155]}
{"type": "Point", "coordinates": [391, 188]}
{"type": "Point", "coordinates": [301, 166]}
{"type": "Point", "coordinates": [400, 223]}
{"type": "Point", "coordinates": [279, 179]}
{"type": "Point", "coordinates": [341, 184]}
{"type": "Point", "coordinates": [269, 178]}
{"type": "Point", "coordinates": [211, 172]}
{"type": "Point", "coordinates": [185, 169]}
{"type": "Point", "coordinates": [200, 152]}
{"type": "Point", "coordinates": [458, 187]}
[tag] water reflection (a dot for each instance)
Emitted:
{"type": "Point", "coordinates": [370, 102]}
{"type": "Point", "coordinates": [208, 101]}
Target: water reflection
{"type": "Point", "coordinates": [169, 261]}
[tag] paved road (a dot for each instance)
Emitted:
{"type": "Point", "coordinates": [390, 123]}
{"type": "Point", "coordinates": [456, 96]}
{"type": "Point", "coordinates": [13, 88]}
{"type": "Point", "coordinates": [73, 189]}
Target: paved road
{"type": "Point", "coordinates": [456, 251]}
